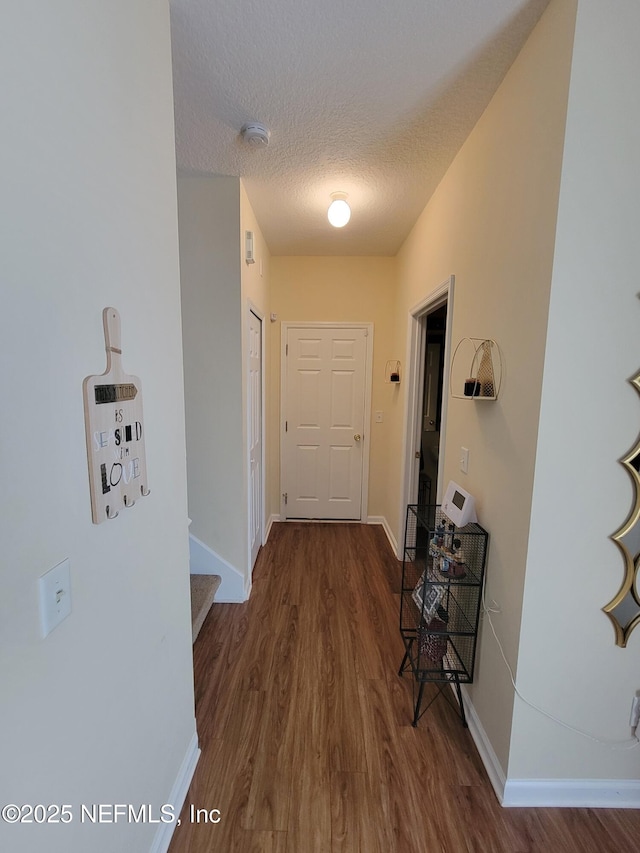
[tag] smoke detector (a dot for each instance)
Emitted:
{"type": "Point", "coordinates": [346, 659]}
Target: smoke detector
{"type": "Point", "coordinates": [255, 134]}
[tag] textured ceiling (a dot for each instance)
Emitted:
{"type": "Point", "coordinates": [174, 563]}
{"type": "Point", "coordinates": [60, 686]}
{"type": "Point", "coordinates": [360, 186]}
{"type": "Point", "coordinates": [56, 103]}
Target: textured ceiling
{"type": "Point", "coordinates": [370, 98]}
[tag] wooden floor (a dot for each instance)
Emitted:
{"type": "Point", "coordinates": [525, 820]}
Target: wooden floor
{"type": "Point", "coordinates": [305, 726]}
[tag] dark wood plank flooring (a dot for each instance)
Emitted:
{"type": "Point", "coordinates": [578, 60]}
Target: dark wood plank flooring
{"type": "Point", "coordinates": [305, 726]}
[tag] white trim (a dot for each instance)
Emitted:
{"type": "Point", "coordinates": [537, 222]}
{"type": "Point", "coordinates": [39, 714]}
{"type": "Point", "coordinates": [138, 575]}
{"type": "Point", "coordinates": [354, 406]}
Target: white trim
{"type": "Point", "coordinates": [572, 793]}
{"type": "Point", "coordinates": [164, 832]}
{"type": "Point", "coordinates": [253, 309]}
{"type": "Point", "coordinates": [416, 342]}
{"type": "Point", "coordinates": [203, 560]}
{"type": "Point", "coordinates": [380, 519]}
{"type": "Point", "coordinates": [272, 519]}
{"type": "Point", "coordinates": [548, 793]}
{"type": "Point", "coordinates": [483, 745]}
{"type": "Point", "coordinates": [368, 380]}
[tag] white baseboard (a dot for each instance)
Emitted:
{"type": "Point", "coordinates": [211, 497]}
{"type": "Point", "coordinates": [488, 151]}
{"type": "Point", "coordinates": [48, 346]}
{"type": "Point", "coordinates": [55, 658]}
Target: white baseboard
{"type": "Point", "coordinates": [380, 519]}
{"type": "Point", "coordinates": [572, 793]}
{"type": "Point", "coordinates": [483, 745]}
{"type": "Point", "coordinates": [178, 794]}
{"type": "Point", "coordinates": [270, 523]}
{"type": "Point", "coordinates": [548, 793]}
{"type": "Point", "coordinates": [204, 561]}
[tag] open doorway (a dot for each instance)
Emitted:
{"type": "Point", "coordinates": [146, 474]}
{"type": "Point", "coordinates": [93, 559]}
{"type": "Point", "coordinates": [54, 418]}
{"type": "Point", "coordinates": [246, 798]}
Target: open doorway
{"type": "Point", "coordinates": [255, 419]}
{"type": "Point", "coordinates": [431, 416]}
{"type": "Point", "coordinates": [428, 357]}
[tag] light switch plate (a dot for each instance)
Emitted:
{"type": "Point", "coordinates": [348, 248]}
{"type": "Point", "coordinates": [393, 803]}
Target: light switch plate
{"type": "Point", "coordinates": [55, 596]}
{"type": "Point", "coordinates": [464, 460]}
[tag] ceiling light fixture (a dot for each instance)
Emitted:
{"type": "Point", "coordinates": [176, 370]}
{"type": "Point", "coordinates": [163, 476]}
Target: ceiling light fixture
{"type": "Point", "coordinates": [256, 134]}
{"type": "Point", "coordinates": [339, 212]}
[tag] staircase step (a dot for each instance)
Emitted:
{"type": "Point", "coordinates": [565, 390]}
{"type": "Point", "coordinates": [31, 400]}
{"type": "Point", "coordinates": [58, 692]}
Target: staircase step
{"type": "Point", "coordinates": [203, 590]}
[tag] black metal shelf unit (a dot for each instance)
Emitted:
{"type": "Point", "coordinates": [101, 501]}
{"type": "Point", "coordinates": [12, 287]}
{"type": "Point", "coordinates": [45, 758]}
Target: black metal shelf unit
{"type": "Point", "coordinates": [442, 576]}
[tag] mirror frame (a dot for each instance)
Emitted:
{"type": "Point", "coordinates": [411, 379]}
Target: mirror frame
{"type": "Point", "coordinates": [624, 608]}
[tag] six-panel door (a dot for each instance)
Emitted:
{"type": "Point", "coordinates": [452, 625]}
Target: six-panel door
{"type": "Point", "coordinates": [324, 418]}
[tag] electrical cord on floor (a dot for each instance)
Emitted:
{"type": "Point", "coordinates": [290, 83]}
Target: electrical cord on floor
{"type": "Point", "coordinates": [630, 743]}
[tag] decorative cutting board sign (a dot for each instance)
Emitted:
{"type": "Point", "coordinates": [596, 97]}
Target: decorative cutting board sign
{"type": "Point", "coordinates": [114, 427]}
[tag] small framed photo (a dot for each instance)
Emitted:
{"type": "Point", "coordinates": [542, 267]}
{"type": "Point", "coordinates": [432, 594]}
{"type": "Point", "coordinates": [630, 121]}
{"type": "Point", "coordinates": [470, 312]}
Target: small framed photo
{"type": "Point", "coordinates": [427, 597]}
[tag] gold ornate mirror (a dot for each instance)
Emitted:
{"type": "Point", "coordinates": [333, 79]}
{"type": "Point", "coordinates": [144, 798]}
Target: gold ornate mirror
{"type": "Point", "coordinates": [624, 609]}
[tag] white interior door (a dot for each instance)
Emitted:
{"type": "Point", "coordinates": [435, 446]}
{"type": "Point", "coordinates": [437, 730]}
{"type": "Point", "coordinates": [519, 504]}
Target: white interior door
{"type": "Point", "coordinates": [324, 413]}
{"type": "Point", "coordinates": [255, 435]}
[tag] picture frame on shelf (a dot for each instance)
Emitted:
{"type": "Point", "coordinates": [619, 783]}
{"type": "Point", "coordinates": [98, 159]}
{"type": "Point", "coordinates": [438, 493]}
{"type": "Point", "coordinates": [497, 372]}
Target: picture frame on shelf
{"type": "Point", "coordinates": [427, 597]}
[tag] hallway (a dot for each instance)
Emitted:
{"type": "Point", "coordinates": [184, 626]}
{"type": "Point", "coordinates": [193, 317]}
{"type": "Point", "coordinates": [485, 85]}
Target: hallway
{"type": "Point", "coordinates": [305, 726]}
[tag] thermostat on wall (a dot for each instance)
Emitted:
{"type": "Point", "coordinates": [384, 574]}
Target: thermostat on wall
{"type": "Point", "coordinates": [458, 505]}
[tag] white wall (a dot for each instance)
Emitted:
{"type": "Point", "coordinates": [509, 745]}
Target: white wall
{"type": "Point", "coordinates": [256, 294]}
{"type": "Point", "coordinates": [210, 252]}
{"type": "Point", "coordinates": [589, 419]}
{"type": "Point", "coordinates": [101, 711]}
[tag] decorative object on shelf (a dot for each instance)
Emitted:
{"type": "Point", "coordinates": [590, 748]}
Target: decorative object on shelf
{"type": "Point", "coordinates": [624, 608]}
{"type": "Point", "coordinates": [476, 370]}
{"type": "Point", "coordinates": [457, 568]}
{"type": "Point", "coordinates": [485, 371]}
{"type": "Point", "coordinates": [392, 372]}
{"type": "Point", "coordinates": [442, 577]}
{"type": "Point", "coordinates": [114, 430]}
{"type": "Point", "coordinates": [433, 639]}
{"type": "Point", "coordinates": [426, 597]}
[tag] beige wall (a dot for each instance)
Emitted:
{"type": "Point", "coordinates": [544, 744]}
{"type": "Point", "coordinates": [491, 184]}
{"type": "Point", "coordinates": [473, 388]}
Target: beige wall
{"type": "Point", "coordinates": [568, 663]}
{"type": "Point", "coordinates": [255, 277]}
{"type": "Point", "coordinates": [324, 289]}
{"type": "Point", "coordinates": [101, 711]}
{"type": "Point", "coordinates": [542, 456]}
{"type": "Point", "coordinates": [492, 223]}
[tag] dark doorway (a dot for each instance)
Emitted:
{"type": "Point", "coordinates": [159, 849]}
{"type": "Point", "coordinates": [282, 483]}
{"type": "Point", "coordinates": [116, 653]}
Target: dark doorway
{"type": "Point", "coordinates": [431, 418]}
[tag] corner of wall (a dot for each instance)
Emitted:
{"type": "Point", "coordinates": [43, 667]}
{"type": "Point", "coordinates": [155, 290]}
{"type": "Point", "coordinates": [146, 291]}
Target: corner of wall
{"type": "Point", "coordinates": [235, 587]}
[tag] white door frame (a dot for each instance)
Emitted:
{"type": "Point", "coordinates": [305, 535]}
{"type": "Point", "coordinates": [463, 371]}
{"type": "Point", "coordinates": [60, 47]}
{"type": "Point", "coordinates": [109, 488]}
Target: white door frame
{"type": "Point", "coordinates": [368, 375]}
{"type": "Point", "coordinates": [251, 308]}
{"type": "Point", "coordinates": [414, 377]}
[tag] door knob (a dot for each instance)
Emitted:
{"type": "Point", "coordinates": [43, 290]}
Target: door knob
{"type": "Point", "coordinates": [357, 437]}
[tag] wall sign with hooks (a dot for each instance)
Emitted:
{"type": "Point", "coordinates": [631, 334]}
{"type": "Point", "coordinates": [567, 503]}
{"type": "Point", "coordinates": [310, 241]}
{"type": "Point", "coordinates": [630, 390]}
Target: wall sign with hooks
{"type": "Point", "coordinates": [114, 429]}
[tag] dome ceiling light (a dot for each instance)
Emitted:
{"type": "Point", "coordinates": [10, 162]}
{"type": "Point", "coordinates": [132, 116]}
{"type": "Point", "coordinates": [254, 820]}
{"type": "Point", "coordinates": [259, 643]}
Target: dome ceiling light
{"type": "Point", "coordinates": [339, 212]}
